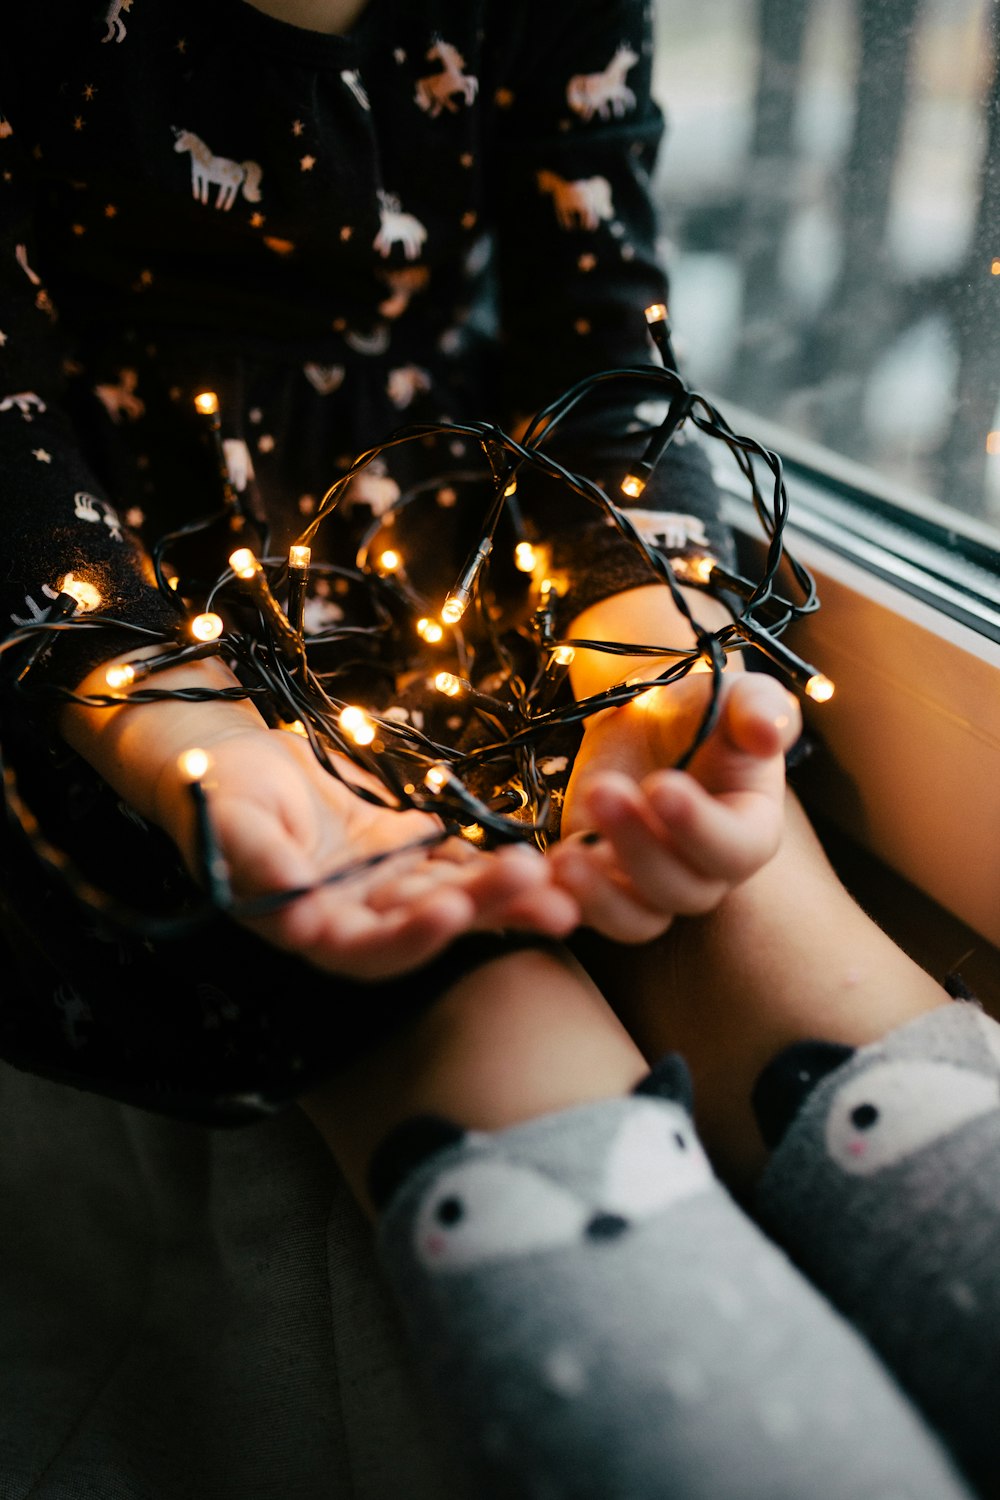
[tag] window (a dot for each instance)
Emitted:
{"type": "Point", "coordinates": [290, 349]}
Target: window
{"type": "Point", "coordinates": [831, 196]}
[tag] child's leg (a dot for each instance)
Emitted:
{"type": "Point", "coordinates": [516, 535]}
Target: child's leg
{"type": "Point", "coordinates": [885, 1178]}
{"type": "Point", "coordinates": [597, 1316]}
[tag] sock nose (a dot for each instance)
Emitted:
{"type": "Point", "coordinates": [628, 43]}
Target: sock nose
{"type": "Point", "coordinates": [606, 1227]}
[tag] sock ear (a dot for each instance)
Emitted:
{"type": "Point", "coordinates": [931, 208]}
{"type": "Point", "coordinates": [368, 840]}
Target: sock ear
{"type": "Point", "coordinates": [668, 1079]}
{"type": "Point", "coordinates": [788, 1080]}
{"type": "Point", "coordinates": [403, 1150]}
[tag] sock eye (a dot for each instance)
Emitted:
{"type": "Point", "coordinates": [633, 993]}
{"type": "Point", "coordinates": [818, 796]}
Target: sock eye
{"type": "Point", "coordinates": [681, 1140]}
{"type": "Point", "coordinates": [449, 1211]}
{"type": "Point", "coordinates": [863, 1116]}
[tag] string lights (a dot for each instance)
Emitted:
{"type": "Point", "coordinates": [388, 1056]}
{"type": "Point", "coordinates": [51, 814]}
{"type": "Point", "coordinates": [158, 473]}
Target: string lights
{"type": "Point", "coordinates": [345, 689]}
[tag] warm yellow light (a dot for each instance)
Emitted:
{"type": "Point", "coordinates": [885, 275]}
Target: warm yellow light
{"type": "Point", "coordinates": [83, 593]}
{"type": "Point", "coordinates": [995, 265]}
{"type": "Point", "coordinates": [694, 569]}
{"type": "Point", "coordinates": [453, 609]}
{"type": "Point", "coordinates": [389, 560]}
{"type": "Point", "coordinates": [429, 631]}
{"type": "Point", "coordinates": [525, 557]}
{"type": "Point", "coordinates": [243, 563]}
{"type": "Point", "coordinates": [633, 486]}
{"type": "Point", "coordinates": [121, 676]}
{"type": "Point", "coordinates": [474, 832]}
{"type": "Point", "coordinates": [656, 313]}
{"type": "Point", "coordinates": [356, 723]}
{"type": "Point", "coordinates": [299, 557]}
{"type": "Point", "coordinates": [295, 726]}
{"type": "Point", "coordinates": [207, 627]}
{"type": "Point", "coordinates": [563, 656]}
{"type": "Point", "coordinates": [448, 683]}
{"type": "Point", "coordinates": [993, 442]}
{"type": "Point", "coordinates": [437, 778]}
{"type": "Point", "coordinates": [511, 489]}
{"type": "Point", "coordinates": [207, 402]}
{"type": "Point", "coordinates": [819, 688]}
{"type": "Point", "coordinates": [194, 764]}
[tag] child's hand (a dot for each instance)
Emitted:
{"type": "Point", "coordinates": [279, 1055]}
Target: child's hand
{"type": "Point", "coordinates": [281, 822]}
{"type": "Point", "coordinates": [673, 842]}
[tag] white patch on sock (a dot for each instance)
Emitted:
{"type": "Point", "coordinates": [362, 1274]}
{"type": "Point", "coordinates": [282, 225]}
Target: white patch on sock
{"type": "Point", "coordinates": [991, 1036]}
{"type": "Point", "coordinates": [728, 1299]}
{"type": "Point", "coordinates": [487, 1209]}
{"type": "Point", "coordinates": [565, 1372]}
{"type": "Point", "coordinates": [962, 1295]}
{"type": "Point", "coordinates": [896, 1108]}
{"type": "Point", "coordinates": [779, 1418]}
{"type": "Point", "coordinates": [654, 1161]}
{"type": "Point", "coordinates": [685, 1380]}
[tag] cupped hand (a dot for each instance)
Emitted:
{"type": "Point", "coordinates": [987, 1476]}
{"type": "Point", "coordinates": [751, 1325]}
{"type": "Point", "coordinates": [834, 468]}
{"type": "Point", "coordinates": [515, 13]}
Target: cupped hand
{"type": "Point", "coordinates": [643, 843]}
{"type": "Point", "coordinates": [281, 823]}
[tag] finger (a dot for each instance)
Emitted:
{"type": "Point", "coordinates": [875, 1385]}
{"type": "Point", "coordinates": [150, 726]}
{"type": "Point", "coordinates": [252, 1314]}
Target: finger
{"type": "Point", "coordinates": [759, 716]}
{"type": "Point", "coordinates": [655, 863]}
{"type": "Point", "coordinates": [363, 944]}
{"type": "Point", "coordinates": [606, 904]}
{"type": "Point", "coordinates": [725, 837]}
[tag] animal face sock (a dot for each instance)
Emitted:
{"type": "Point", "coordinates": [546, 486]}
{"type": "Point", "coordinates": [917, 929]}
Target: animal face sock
{"type": "Point", "coordinates": [885, 1187]}
{"type": "Point", "coordinates": [600, 1320]}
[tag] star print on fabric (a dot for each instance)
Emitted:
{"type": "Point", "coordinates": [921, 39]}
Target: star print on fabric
{"type": "Point", "coordinates": [42, 456]}
{"type": "Point", "coordinates": [468, 219]}
{"type": "Point", "coordinates": [256, 220]}
{"type": "Point", "coordinates": [79, 229]}
{"type": "Point", "coordinates": [503, 98]}
{"type": "Point", "coordinates": [78, 122]}
{"type": "Point", "coordinates": [399, 53]}
{"type": "Point", "coordinates": [110, 211]}
{"type": "Point", "coordinates": [466, 159]}
{"type": "Point", "coordinates": [88, 91]}
{"type": "Point", "coordinates": [307, 163]}
{"type": "Point", "coordinates": [181, 45]}
{"type": "Point", "coordinates": [586, 262]}
{"type": "Point", "coordinates": [279, 246]}
{"type": "Point", "coordinates": [36, 152]}
{"type": "Point", "coordinates": [146, 278]}
{"type": "Point", "coordinates": [297, 127]}
{"type": "Point", "coordinates": [581, 326]}
{"type": "Point", "coordinates": [265, 443]}
{"type": "Point", "coordinates": [346, 230]}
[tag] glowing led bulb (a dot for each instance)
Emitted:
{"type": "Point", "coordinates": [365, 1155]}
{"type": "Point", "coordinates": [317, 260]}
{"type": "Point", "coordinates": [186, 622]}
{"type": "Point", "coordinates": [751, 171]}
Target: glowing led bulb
{"type": "Point", "coordinates": [633, 486]}
{"type": "Point", "coordinates": [474, 832]}
{"type": "Point", "coordinates": [510, 490]}
{"type": "Point", "coordinates": [525, 557]}
{"type": "Point", "coordinates": [356, 723]}
{"type": "Point", "coordinates": [194, 764]}
{"type": "Point", "coordinates": [121, 676]}
{"type": "Point", "coordinates": [207, 627]}
{"type": "Point", "coordinates": [993, 443]}
{"type": "Point", "coordinates": [298, 556]}
{"type": "Point", "coordinates": [656, 313]}
{"type": "Point", "coordinates": [243, 563]}
{"type": "Point", "coordinates": [207, 402]}
{"type": "Point", "coordinates": [437, 778]}
{"type": "Point", "coordinates": [390, 560]}
{"type": "Point", "coordinates": [995, 265]}
{"type": "Point", "coordinates": [819, 688]}
{"type": "Point", "coordinates": [563, 656]}
{"type": "Point", "coordinates": [429, 631]}
{"type": "Point", "coordinates": [448, 683]}
{"type": "Point", "coordinates": [84, 593]}
{"type": "Point", "coordinates": [295, 726]}
{"type": "Point", "coordinates": [453, 609]}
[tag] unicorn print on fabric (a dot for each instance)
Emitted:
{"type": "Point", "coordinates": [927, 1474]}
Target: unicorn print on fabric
{"type": "Point", "coordinates": [398, 228]}
{"type": "Point", "coordinates": [231, 176]}
{"type": "Point", "coordinates": [604, 94]}
{"type": "Point", "coordinates": [440, 91]}
{"type": "Point", "coordinates": [113, 20]}
{"type": "Point", "coordinates": [581, 204]}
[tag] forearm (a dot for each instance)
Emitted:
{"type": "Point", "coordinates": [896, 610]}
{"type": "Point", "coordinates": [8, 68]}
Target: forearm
{"type": "Point", "coordinates": [136, 747]}
{"type": "Point", "coordinates": [646, 616]}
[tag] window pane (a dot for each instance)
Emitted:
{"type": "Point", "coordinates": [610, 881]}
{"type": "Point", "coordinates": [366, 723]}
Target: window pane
{"type": "Point", "coordinates": [831, 197]}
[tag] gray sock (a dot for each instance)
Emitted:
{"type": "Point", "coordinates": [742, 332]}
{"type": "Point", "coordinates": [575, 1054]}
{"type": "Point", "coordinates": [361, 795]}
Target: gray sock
{"type": "Point", "coordinates": [601, 1320]}
{"type": "Point", "coordinates": [884, 1186]}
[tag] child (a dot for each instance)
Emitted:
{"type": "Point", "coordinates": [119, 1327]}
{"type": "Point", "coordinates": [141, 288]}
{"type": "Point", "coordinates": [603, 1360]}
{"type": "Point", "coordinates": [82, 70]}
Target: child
{"type": "Point", "coordinates": [316, 210]}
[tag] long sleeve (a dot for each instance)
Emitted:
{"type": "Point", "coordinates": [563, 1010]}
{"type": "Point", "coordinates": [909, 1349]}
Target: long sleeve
{"type": "Point", "coordinates": [579, 263]}
{"type": "Point", "coordinates": [60, 528]}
